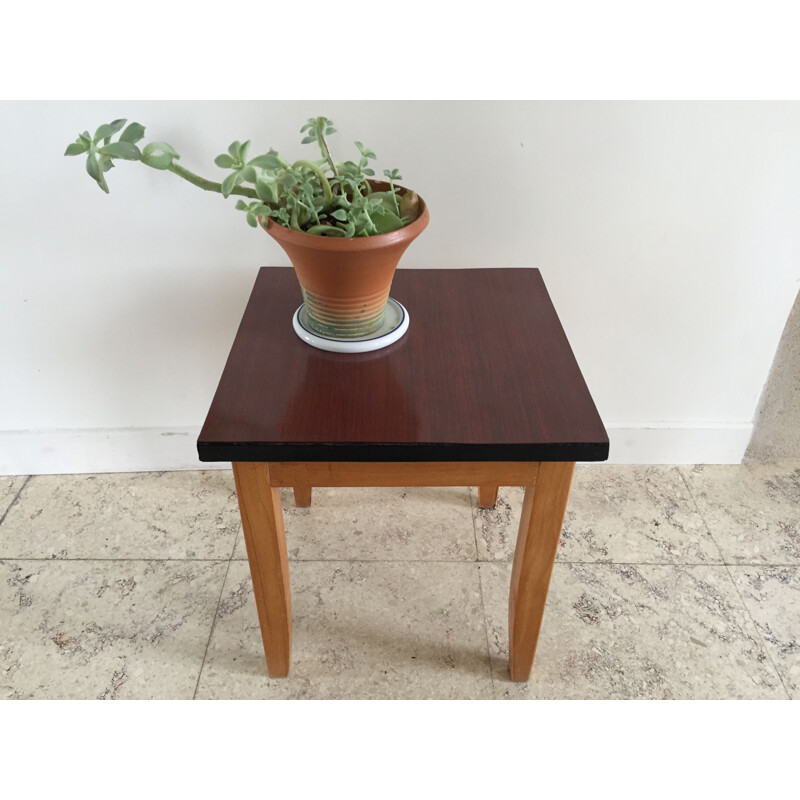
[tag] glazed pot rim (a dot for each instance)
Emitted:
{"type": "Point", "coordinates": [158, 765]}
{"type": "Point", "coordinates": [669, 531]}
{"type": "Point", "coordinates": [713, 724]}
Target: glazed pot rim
{"type": "Point", "coordinates": [408, 232]}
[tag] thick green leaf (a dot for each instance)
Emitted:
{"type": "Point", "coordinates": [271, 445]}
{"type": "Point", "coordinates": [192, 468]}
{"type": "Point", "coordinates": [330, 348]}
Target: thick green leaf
{"type": "Point", "coordinates": [288, 180]}
{"type": "Point", "coordinates": [382, 199]}
{"type": "Point", "coordinates": [159, 155]}
{"type": "Point", "coordinates": [224, 161]}
{"type": "Point", "coordinates": [251, 219]}
{"type": "Point", "coordinates": [163, 147]}
{"type": "Point", "coordinates": [133, 133]}
{"type": "Point", "coordinates": [249, 174]}
{"type": "Point", "coordinates": [157, 160]}
{"type": "Point", "coordinates": [243, 148]}
{"type": "Point", "coordinates": [234, 149]}
{"type": "Point", "coordinates": [92, 167]}
{"type": "Point", "coordinates": [155, 157]}
{"type": "Point", "coordinates": [229, 183]}
{"type": "Point", "coordinates": [340, 214]}
{"type": "Point", "coordinates": [125, 150]}
{"type": "Point", "coordinates": [308, 139]}
{"type": "Point", "coordinates": [76, 148]}
{"type": "Point", "coordinates": [104, 131]}
{"type": "Point", "coordinates": [266, 189]}
{"type": "Point", "coordinates": [267, 161]}
{"type": "Point", "coordinates": [241, 205]}
{"type": "Point", "coordinates": [385, 220]}
{"type": "Point", "coordinates": [365, 151]}
{"type": "Point", "coordinates": [281, 214]}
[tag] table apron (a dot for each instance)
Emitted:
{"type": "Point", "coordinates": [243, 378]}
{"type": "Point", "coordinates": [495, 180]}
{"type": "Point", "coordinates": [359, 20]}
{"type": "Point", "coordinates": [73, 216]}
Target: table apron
{"type": "Point", "coordinates": [402, 473]}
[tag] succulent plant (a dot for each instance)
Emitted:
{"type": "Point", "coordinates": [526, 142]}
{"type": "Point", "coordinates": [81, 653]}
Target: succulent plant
{"type": "Point", "coordinates": [321, 197]}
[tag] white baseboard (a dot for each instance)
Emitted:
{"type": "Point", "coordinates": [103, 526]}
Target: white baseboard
{"type": "Point", "coordinates": [160, 449]}
{"type": "Point", "coordinates": [678, 443]}
{"type": "Point", "coordinates": [100, 450]}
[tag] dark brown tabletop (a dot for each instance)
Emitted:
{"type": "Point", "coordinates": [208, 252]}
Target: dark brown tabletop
{"type": "Point", "coordinates": [484, 373]}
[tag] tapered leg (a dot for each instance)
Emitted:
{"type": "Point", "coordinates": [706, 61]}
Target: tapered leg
{"type": "Point", "coordinates": [265, 537]}
{"type": "Point", "coordinates": [302, 496]}
{"type": "Point", "coordinates": [487, 496]}
{"type": "Point", "coordinates": [539, 530]}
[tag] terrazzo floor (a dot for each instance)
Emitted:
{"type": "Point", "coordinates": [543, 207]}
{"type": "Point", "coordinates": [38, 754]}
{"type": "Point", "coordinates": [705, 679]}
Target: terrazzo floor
{"type": "Point", "coordinates": [670, 582]}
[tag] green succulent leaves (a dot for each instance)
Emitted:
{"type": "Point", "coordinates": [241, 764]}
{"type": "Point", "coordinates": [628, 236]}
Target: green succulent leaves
{"type": "Point", "coordinates": [253, 210]}
{"type": "Point", "coordinates": [322, 197]}
{"type": "Point", "coordinates": [108, 130]}
{"type": "Point", "coordinates": [318, 128]}
{"type": "Point", "coordinates": [159, 155]}
{"type": "Point", "coordinates": [76, 148]}
{"type": "Point", "coordinates": [133, 133]}
{"type": "Point", "coordinates": [101, 151]}
{"type": "Point", "coordinates": [124, 150]}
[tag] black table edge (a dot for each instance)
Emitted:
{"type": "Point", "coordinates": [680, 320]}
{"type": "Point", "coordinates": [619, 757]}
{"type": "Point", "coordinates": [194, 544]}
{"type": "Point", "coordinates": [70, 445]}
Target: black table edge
{"type": "Point", "coordinates": [360, 452]}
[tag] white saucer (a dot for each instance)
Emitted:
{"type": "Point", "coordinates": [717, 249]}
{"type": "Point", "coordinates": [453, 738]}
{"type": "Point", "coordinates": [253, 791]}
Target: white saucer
{"type": "Point", "coordinates": [395, 324]}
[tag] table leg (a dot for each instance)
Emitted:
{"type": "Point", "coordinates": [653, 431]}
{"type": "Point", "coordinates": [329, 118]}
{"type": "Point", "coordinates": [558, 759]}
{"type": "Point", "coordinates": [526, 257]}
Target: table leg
{"type": "Point", "coordinates": [539, 530]}
{"type": "Point", "coordinates": [302, 496]}
{"type": "Point", "coordinates": [487, 496]}
{"type": "Point", "coordinates": [265, 537]}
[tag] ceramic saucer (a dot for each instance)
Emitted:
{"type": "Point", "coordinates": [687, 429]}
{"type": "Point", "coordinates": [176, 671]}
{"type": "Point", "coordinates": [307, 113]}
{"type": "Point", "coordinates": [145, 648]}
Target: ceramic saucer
{"type": "Point", "coordinates": [395, 324]}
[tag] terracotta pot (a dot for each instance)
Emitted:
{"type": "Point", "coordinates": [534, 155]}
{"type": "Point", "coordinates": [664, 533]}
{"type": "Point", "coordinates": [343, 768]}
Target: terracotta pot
{"type": "Point", "coordinates": [345, 282]}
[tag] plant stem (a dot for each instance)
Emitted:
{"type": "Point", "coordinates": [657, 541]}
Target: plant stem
{"type": "Point", "coordinates": [209, 186]}
{"type": "Point", "coordinates": [326, 152]}
{"type": "Point", "coordinates": [326, 230]}
{"type": "Point", "coordinates": [326, 187]}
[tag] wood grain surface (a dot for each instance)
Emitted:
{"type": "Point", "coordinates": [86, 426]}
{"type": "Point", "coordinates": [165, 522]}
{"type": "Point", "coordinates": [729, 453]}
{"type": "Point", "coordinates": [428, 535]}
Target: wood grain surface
{"type": "Point", "coordinates": [485, 373]}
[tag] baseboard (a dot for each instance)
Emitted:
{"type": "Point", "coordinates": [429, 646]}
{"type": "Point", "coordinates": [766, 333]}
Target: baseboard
{"type": "Point", "coordinates": [100, 450]}
{"type": "Point", "coordinates": [678, 443]}
{"type": "Point", "coordinates": [160, 449]}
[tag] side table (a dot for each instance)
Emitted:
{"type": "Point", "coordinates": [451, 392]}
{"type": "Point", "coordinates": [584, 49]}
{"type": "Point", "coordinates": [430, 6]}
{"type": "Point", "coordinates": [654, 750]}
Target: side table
{"type": "Point", "coordinates": [483, 390]}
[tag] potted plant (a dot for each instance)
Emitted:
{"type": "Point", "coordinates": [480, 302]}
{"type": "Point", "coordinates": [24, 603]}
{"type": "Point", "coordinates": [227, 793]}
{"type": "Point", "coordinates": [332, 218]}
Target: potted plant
{"type": "Point", "coordinates": [343, 231]}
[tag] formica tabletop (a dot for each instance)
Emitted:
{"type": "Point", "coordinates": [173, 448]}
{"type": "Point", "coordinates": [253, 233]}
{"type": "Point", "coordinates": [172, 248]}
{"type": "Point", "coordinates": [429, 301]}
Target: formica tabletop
{"type": "Point", "coordinates": [484, 373]}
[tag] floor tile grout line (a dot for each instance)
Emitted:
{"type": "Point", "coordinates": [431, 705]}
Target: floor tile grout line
{"type": "Point", "coordinates": [222, 559]}
{"type": "Point", "coordinates": [665, 563]}
{"type": "Point", "coordinates": [509, 561]}
{"type": "Point", "coordinates": [213, 625]}
{"type": "Point", "coordinates": [16, 497]}
{"type": "Point", "coordinates": [700, 513]}
{"type": "Point", "coordinates": [219, 560]}
{"type": "Point", "coordinates": [758, 633]}
{"type": "Point", "coordinates": [486, 632]}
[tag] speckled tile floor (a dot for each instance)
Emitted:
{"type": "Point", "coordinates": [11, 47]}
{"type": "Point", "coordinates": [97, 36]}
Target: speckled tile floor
{"type": "Point", "coordinates": [670, 582]}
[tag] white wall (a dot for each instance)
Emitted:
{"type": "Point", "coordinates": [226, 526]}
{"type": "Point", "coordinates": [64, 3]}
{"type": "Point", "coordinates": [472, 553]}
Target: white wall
{"type": "Point", "coordinates": [667, 234]}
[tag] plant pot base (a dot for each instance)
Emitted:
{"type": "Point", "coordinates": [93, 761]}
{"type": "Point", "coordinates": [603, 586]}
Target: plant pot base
{"type": "Point", "coordinates": [354, 317]}
{"type": "Point", "coordinates": [393, 328]}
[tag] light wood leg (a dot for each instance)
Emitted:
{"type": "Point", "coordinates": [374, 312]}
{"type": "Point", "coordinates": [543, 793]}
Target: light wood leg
{"type": "Point", "coordinates": [302, 496]}
{"type": "Point", "coordinates": [265, 537]}
{"type": "Point", "coordinates": [539, 530]}
{"type": "Point", "coordinates": [487, 496]}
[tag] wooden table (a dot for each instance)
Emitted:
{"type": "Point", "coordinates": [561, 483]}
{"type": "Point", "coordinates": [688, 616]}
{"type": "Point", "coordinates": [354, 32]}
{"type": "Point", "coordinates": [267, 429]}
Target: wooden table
{"type": "Point", "coordinates": [483, 390]}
